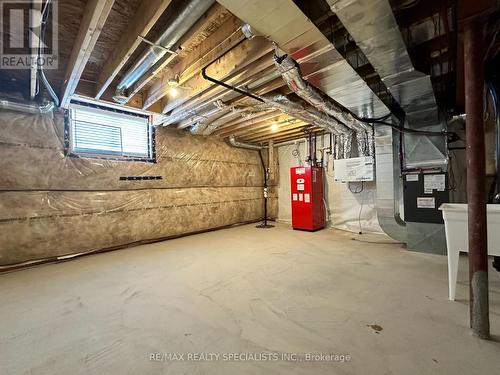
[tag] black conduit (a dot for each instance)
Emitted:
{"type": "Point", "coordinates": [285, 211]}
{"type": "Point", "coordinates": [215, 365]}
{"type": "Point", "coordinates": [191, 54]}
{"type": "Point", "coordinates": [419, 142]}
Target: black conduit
{"type": "Point", "coordinates": [264, 224]}
{"type": "Point", "coordinates": [223, 84]}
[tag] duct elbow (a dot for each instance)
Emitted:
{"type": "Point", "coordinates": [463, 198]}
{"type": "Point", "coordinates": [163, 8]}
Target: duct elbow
{"type": "Point", "coordinates": [27, 107]}
{"type": "Point", "coordinates": [249, 31]}
{"type": "Point", "coordinates": [233, 142]}
{"type": "Point", "coordinates": [120, 96]}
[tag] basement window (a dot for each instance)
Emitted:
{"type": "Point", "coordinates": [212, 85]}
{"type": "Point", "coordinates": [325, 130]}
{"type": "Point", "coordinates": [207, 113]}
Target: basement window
{"type": "Point", "coordinates": [96, 131]}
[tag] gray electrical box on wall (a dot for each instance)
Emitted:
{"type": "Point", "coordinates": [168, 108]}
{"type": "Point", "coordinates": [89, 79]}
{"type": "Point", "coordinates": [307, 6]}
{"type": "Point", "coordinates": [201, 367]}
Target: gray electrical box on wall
{"type": "Point", "coordinates": [423, 194]}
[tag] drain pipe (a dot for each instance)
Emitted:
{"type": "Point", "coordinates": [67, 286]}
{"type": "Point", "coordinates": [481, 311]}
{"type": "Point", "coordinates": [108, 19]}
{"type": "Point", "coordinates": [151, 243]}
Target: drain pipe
{"type": "Point", "coordinates": [265, 171]}
{"type": "Point", "coordinates": [250, 146]}
{"type": "Point", "coordinates": [27, 107]}
{"type": "Point", "coordinates": [289, 143]}
{"type": "Point", "coordinates": [476, 174]}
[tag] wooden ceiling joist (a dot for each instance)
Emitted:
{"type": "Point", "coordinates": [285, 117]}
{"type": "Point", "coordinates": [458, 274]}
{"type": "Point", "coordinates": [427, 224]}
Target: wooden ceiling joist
{"type": "Point", "coordinates": [87, 90]}
{"type": "Point", "coordinates": [240, 100]}
{"type": "Point", "coordinates": [231, 65]}
{"type": "Point", "coordinates": [203, 106]}
{"type": "Point", "coordinates": [277, 141]}
{"type": "Point", "coordinates": [95, 15]}
{"type": "Point", "coordinates": [278, 135]}
{"type": "Point", "coordinates": [147, 14]}
{"type": "Point", "coordinates": [192, 64]}
{"type": "Point", "coordinates": [196, 36]}
{"type": "Point", "coordinates": [299, 135]}
{"type": "Point", "coordinates": [242, 123]}
{"type": "Point", "coordinates": [253, 127]}
{"type": "Point", "coordinates": [272, 128]}
{"type": "Point", "coordinates": [250, 127]}
{"type": "Point", "coordinates": [270, 132]}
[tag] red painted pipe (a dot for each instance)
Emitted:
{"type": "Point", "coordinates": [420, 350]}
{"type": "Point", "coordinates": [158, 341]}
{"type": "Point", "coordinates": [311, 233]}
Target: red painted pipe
{"type": "Point", "coordinates": [476, 176]}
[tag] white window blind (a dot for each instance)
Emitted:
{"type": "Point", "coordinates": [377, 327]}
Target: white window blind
{"type": "Point", "coordinates": [99, 131]}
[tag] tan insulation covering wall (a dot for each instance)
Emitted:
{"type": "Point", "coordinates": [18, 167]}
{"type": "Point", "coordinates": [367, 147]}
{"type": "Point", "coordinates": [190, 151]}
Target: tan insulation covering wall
{"type": "Point", "coordinates": [52, 205]}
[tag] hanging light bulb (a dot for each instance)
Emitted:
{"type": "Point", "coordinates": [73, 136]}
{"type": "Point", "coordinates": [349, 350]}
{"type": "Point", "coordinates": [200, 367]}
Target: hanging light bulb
{"type": "Point", "coordinates": [173, 92]}
{"type": "Point", "coordinates": [274, 127]}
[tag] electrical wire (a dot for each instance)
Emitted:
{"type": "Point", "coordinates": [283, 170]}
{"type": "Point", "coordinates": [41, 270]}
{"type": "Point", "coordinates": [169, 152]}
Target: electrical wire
{"type": "Point", "coordinates": [355, 191]}
{"type": "Point", "coordinates": [452, 136]}
{"type": "Point", "coordinates": [361, 209]}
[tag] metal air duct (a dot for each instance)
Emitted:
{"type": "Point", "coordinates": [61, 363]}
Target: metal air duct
{"type": "Point", "coordinates": [207, 127]}
{"type": "Point", "coordinates": [27, 107]}
{"type": "Point", "coordinates": [290, 71]}
{"type": "Point", "coordinates": [389, 185]}
{"type": "Point", "coordinates": [296, 35]}
{"type": "Point", "coordinates": [282, 103]}
{"type": "Point", "coordinates": [306, 113]}
{"type": "Point", "coordinates": [233, 142]}
{"type": "Point", "coordinates": [374, 29]}
{"type": "Point", "coordinates": [189, 12]}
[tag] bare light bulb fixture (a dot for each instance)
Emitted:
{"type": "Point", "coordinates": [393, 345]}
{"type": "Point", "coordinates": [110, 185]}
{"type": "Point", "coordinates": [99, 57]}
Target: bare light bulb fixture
{"type": "Point", "coordinates": [274, 127]}
{"type": "Point", "coordinates": [173, 92]}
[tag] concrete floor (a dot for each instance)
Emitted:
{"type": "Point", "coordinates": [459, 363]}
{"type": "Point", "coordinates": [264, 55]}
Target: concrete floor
{"type": "Point", "coordinates": [244, 290]}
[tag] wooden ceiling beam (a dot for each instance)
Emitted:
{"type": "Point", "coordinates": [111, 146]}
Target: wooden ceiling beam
{"type": "Point", "coordinates": [277, 135]}
{"type": "Point", "coordinates": [268, 129]}
{"type": "Point", "coordinates": [212, 92]}
{"type": "Point", "coordinates": [293, 137]}
{"type": "Point", "coordinates": [216, 114]}
{"type": "Point", "coordinates": [249, 118]}
{"type": "Point", "coordinates": [281, 120]}
{"type": "Point", "coordinates": [253, 126]}
{"type": "Point", "coordinates": [270, 132]}
{"type": "Point", "coordinates": [210, 20]}
{"type": "Point", "coordinates": [95, 15]}
{"type": "Point", "coordinates": [202, 107]}
{"type": "Point", "coordinates": [146, 16]}
{"type": "Point", "coordinates": [238, 62]}
{"type": "Point", "coordinates": [191, 65]}
{"type": "Point", "coordinates": [87, 89]}
{"type": "Point", "coordinates": [228, 129]}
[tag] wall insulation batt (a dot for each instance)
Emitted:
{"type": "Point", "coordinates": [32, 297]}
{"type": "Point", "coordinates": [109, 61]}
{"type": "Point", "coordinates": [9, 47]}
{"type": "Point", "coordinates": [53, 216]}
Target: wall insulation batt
{"type": "Point", "coordinates": [53, 205]}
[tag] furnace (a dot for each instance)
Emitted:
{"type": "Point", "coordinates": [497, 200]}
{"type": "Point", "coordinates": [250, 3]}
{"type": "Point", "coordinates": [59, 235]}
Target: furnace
{"type": "Point", "coordinates": [307, 198]}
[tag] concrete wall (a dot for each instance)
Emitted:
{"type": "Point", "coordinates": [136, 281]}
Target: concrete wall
{"type": "Point", "coordinates": [53, 205]}
{"type": "Point", "coordinates": [346, 210]}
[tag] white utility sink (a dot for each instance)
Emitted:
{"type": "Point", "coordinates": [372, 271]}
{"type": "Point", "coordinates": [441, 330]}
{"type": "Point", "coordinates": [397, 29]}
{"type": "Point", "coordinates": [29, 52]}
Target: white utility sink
{"type": "Point", "coordinates": [457, 240]}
